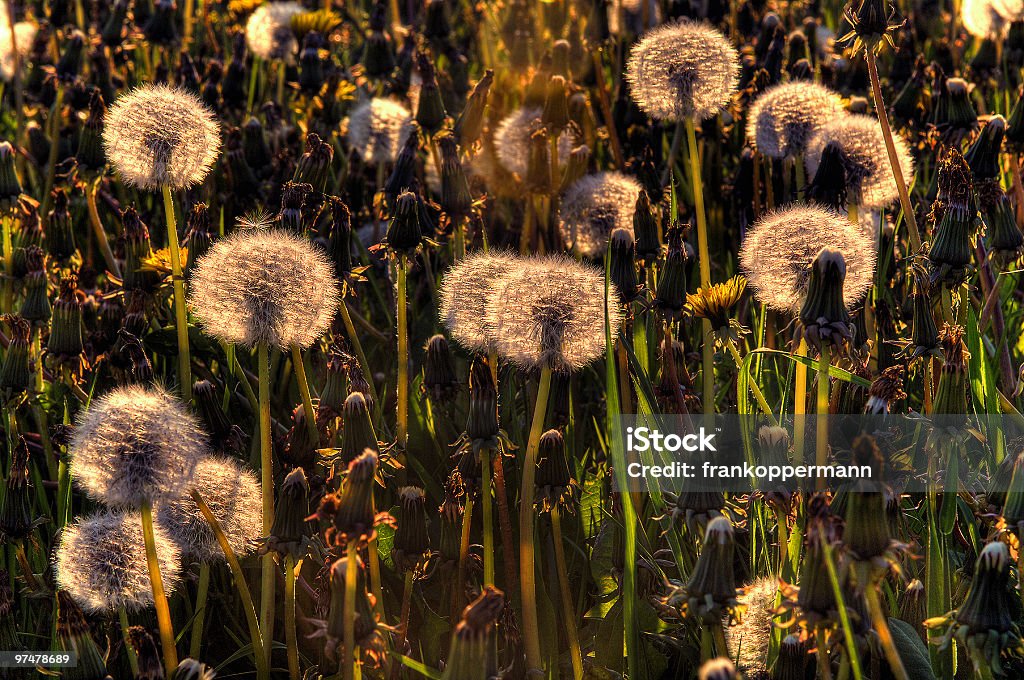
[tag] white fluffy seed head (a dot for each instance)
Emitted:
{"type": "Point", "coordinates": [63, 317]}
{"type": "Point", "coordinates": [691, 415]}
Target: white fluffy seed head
{"type": "Point", "coordinates": [983, 19]}
{"type": "Point", "coordinates": [682, 70]}
{"type": "Point", "coordinates": [783, 117]}
{"type": "Point", "coordinates": [550, 311]}
{"type": "Point", "coordinates": [101, 562]}
{"type": "Point", "coordinates": [23, 36]}
{"type": "Point", "coordinates": [377, 129]}
{"type": "Point", "coordinates": [748, 640]}
{"type": "Point", "coordinates": [158, 136]}
{"type": "Point", "coordinates": [233, 494]}
{"type": "Point", "coordinates": [869, 178]}
{"type": "Point", "coordinates": [269, 30]}
{"type": "Point", "coordinates": [1010, 10]}
{"type": "Point", "coordinates": [780, 249]}
{"type": "Point", "coordinates": [265, 287]}
{"type": "Point", "coordinates": [136, 444]}
{"type": "Point", "coordinates": [595, 206]}
{"type": "Point", "coordinates": [464, 292]}
{"type": "Point", "coordinates": [512, 140]}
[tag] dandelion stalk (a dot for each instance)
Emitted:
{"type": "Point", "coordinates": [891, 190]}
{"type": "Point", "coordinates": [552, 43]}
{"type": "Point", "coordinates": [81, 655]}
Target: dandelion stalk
{"type": "Point", "coordinates": [349, 659]}
{"type": "Point", "coordinates": [97, 227]}
{"type": "Point", "coordinates": [203, 590]}
{"type": "Point", "coordinates": [704, 260]}
{"type": "Point", "coordinates": [8, 243]}
{"type": "Point", "coordinates": [821, 409]}
{"type": "Point", "coordinates": [568, 613]}
{"type": "Point", "coordinates": [307, 399]}
{"type": "Point", "coordinates": [353, 337]}
{"type": "Point", "coordinates": [402, 432]}
{"type": "Point", "coordinates": [180, 313]}
{"type": "Point", "coordinates": [881, 625]}
{"type": "Point", "coordinates": [799, 401]}
{"type": "Point", "coordinates": [163, 612]}
{"type": "Point", "coordinates": [269, 577]}
{"type": "Point", "coordinates": [487, 515]}
{"type": "Point", "coordinates": [460, 573]}
{"type": "Point", "coordinates": [291, 638]}
{"type": "Point", "coordinates": [133, 659]}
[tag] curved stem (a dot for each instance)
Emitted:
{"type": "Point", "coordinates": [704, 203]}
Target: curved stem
{"type": "Point", "coordinates": [881, 625]}
{"type": "Point", "coordinates": [348, 659]}
{"type": "Point", "coordinates": [357, 347]}
{"type": "Point", "coordinates": [402, 432]}
{"type": "Point", "coordinates": [196, 645]}
{"type": "Point", "coordinates": [527, 577]}
{"type": "Point", "coordinates": [269, 577]}
{"type": "Point", "coordinates": [289, 617]}
{"type": "Point", "coordinates": [180, 313]}
{"type": "Point", "coordinates": [751, 385]}
{"type": "Point", "coordinates": [97, 227]}
{"type": "Point", "coordinates": [307, 398]}
{"type": "Point", "coordinates": [568, 613]}
{"type": "Point", "coordinates": [133, 659]}
{"type": "Point", "coordinates": [163, 612]}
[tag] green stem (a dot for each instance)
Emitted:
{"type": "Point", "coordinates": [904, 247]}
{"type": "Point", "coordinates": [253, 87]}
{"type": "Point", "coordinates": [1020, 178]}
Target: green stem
{"type": "Point", "coordinates": [403, 354]}
{"type": "Point", "coordinates": [821, 410]}
{"type": "Point", "coordinates": [97, 227]}
{"type": "Point", "coordinates": [196, 646]}
{"type": "Point", "coordinates": [51, 163]}
{"type": "Point", "coordinates": [307, 398]}
{"type": "Point", "coordinates": [527, 576]}
{"type": "Point", "coordinates": [133, 659]}
{"type": "Point", "coordinates": [881, 625]}
{"type": "Point", "coordinates": [799, 403]}
{"type": "Point", "coordinates": [289, 617]}
{"type": "Point", "coordinates": [568, 613]}
{"type": "Point", "coordinates": [269, 576]}
{"type": "Point", "coordinates": [180, 312]}
{"type": "Point", "coordinates": [754, 389]}
{"type": "Point", "coordinates": [487, 515]}
{"type": "Point", "coordinates": [348, 659]}
{"type": "Point", "coordinates": [704, 262]}
{"type": "Point", "coordinates": [163, 612]}
{"type": "Point", "coordinates": [821, 641]}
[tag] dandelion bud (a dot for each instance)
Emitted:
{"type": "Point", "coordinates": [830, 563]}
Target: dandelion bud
{"type": "Point", "coordinates": [538, 165]}
{"type": "Point", "coordinates": [332, 397]}
{"type": "Point", "coordinates": [69, 66]}
{"type": "Point", "coordinates": [482, 422]}
{"type": "Point", "coordinates": [160, 29]}
{"type": "Point", "coordinates": [114, 29]}
{"type": "Point", "coordinates": [10, 187]}
{"type": "Point", "coordinates": [60, 234]}
{"type": "Point", "coordinates": [718, 669]}
{"type": "Point", "coordinates": [1013, 505]}
{"type": "Point", "coordinates": [645, 226]}
{"type": "Point", "coordinates": [350, 509]}
{"type": "Point", "coordinates": [710, 592]}
{"type": "Point", "coordinates": [378, 54]}
{"type": "Point", "coordinates": [954, 113]}
{"type": "Point", "coordinates": [950, 254]}
{"type": "Point", "coordinates": [73, 635]}
{"type": "Point", "coordinates": [89, 156]}
{"type": "Point", "coordinates": [439, 380]}
{"type": "Point", "coordinates": [146, 653]}
{"type": "Point", "coordinates": [553, 479]}
{"type": "Point", "coordinates": [555, 114]}
{"type": "Point", "coordinates": [870, 22]}
{"type": "Point", "coordinates": [623, 265]}
{"type": "Point", "coordinates": [412, 541]}
{"type": "Point", "coordinates": [670, 294]}
{"type": "Point", "coordinates": [198, 237]}
{"type": "Point", "coordinates": [829, 186]}
{"type": "Point", "coordinates": [951, 394]}
{"type": "Point", "coordinates": [595, 206]}
{"type": "Point", "coordinates": [405, 231]}
{"type": "Point", "coordinates": [315, 163]}
{"type": "Point", "coordinates": [823, 315]}
{"type": "Point", "coordinates": [1015, 125]}
{"type": "Point", "coordinates": [38, 143]}
{"type": "Point", "coordinates": [576, 165]}
{"type": "Point", "coordinates": [1002, 233]}
{"type": "Point", "coordinates": [35, 308]}
{"type": "Point", "coordinates": [470, 124]}
{"type": "Point", "coordinates": [16, 516]}
{"type": "Point", "coordinates": [456, 200]}
{"type": "Point", "coordinates": [292, 196]}
{"type": "Point", "coordinates": [358, 435]}
{"type": "Point", "coordinates": [291, 526]}
{"type": "Point", "coordinates": [137, 253]}
{"type": "Point", "coordinates": [15, 374]}
{"type": "Point", "coordinates": [430, 113]}
{"type": "Point", "coordinates": [65, 339]}
{"type": "Point", "coordinates": [366, 621]}
{"type": "Point", "coordinates": [210, 93]}
{"type": "Point", "coordinates": [984, 154]}
{"type": "Point", "coordinates": [468, 655]}
{"type": "Point", "coordinates": [300, 445]}
{"type": "Point", "coordinates": [792, 659]}
{"type": "Point", "coordinates": [223, 434]}
{"type": "Point", "coordinates": [311, 64]}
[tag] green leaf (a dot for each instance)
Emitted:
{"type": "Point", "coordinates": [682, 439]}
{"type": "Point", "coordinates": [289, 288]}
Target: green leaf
{"type": "Point", "coordinates": [912, 650]}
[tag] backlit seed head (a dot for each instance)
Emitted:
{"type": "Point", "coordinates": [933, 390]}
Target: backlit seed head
{"type": "Point", "coordinates": [23, 37]}
{"type": "Point", "coordinates": [682, 70]}
{"type": "Point", "coordinates": [233, 494]}
{"type": "Point", "coordinates": [265, 287]}
{"type": "Point", "coordinates": [464, 292]}
{"type": "Point", "coordinates": [136, 444]}
{"type": "Point", "coordinates": [777, 255]}
{"type": "Point", "coordinates": [269, 32]}
{"type": "Point", "coordinates": [982, 19]}
{"type": "Point", "coordinates": [512, 140]}
{"type": "Point", "coordinates": [157, 136]}
{"type": "Point", "coordinates": [720, 668]}
{"type": "Point", "coordinates": [748, 640]}
{"type": "Point", "coordinates": [869, 178]}
{"type": "Point", "coordinates": [595, 206]}
{"type": "Point", "coordinates": [783, 118]}
{"type": "Point", "coordinates": [101, 562]}
{"type": "Point", "coordinates": [550, 311]}
{"type": "Point", "coordinates": [377, 129]}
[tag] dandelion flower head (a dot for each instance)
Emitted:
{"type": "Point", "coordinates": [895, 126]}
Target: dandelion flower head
{"type": "Point", "coordinates": [783, 117]}
{"type": "Point", "coordinates": [377, 129]}
{"type": "Point", "coordinates": [464, 293]}
{"type": "Point", "coordinates": [595, 206]}
{"type": "Point", "coordinates": [512, 140]}
{"type": "Point", "coordinates": [983, 19]}
{"type": "Point", "coordinates": [269, 30]}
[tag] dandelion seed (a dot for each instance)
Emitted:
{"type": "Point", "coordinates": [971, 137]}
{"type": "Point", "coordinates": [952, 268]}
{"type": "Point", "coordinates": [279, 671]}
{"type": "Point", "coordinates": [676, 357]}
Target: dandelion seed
{"type": "Point", "coordinates": [464, 292]}
{"type": "Point", "coordinates": [269, 30]}
{"type": "Point", "coordinates": [377, 129]}
{"type": "Point", "coordinates": [749, 639]}
{"type": "Point", "coordinates": [233, 495]}
{"type": "Point", "coordinates": [265, 287]}
{"type": "Point", "coordinates": [682, 70]}
{"type": "Point", "coordinates": [982, 18]}
{"type": "Point", "coordinates": [869, 178]}
{"type": "Point", "coordinates": [101, 562]}
{"type": "Point", "coordinates": [549, 311]}
{"type": "Point", "coordinates": [777, 255]}
{"type": "Point", "coordinates": [157, 136]}
{"type": "Point", "coordinates": [23, 37]}
{"type": "Point", "coordinates": [595, 206]}
{"type": "Point", "coordinates": [512, 140]}
{"type": "Point", "coordinates": [134, 445]}
{"type": "Point", "coordinates": [783, 118]}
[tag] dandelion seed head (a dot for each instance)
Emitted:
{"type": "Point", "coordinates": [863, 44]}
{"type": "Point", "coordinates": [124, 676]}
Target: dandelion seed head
{"type": "Point", "coordinates": [780, 249]}
{"type": "Point", "coordinates": [783, 117]}
{"type": "Point", "coordinates": [157, 136]}
{"type": "Point", "coordinates": [136, 444]}
{"type": "Point", "coordinates": [983, 19]}
{"type": "Point", "coordinates": [593, 207]}
{"type": "Point", "coordinates": [682, 70]}
{"type": "Point", "coordinates": [377, 129]}
{"type": "Point", "coordinates": [269, 30]}
{"type": "Point", "coordinates": [550, 311]}
{"type": "Point", "coordinates": [748, 640]}
{"type": "Point", "coordinates": [265, 287]}
{"type": "Point", "coordinates": [464, 292]}
{"type": "Point", "coordinates": [626, 16]}
{"type": "Point", "coordinates": [24, 35]}
{"type": "Point", "coordinates": [512, 140]}
{"type": "Point", "coordinates": [869, 178]}
{"type": "Point", "coordinates": [1010, 10]}
{"type": "Point", "coordinates": [101, 562]}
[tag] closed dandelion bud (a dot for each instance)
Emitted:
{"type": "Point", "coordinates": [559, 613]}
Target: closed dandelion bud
{"type": "Point", "coordinates": [239, 172]}
{"type": "Point", "coordinates": [38, 143]}
{"type": "Point", "coordinates": [146, 653]}
{"type": "Point", "coordinates": [254, 145]}
{"type": "Point", "coordinates": [553, 479]}
{"type": "Point", "coordinates": [291, 525]}
{"type": "Point", "coordinates": [412, 541]}
{"type": "Point", "coordinates": [160, 29]}
{"type": "Point", "coordinates": [575, 164]}
{"type": "Point", "coordinates": [10, 187]}
{"type": "Point", "coordinates": [233, 89]}
{"type": "Point", "coordinates": [867, 533]}
{"type": "Point", "coordinates": [311, 65]}
{"type": "Point", "coordinates": [137, 251]}
{"type": "Point", "coordinates": [952, 111]}
{"type": "Point", "coordinates": [451, 512]}
{"type": "Point", "coordinates": [1002, 232]}
{"type": "Point", "coordinates": [403, 175]}
{"type": "Point", "coordinates": [538, 164]}
{"type": "Point", "coordinates": [984, 154]}
{"type": "Point", "coordinates": [73, 635]}
{"type": "Point", "coordinates": [456, 200]}
{"type": "Point", "coordinates": [468, 657]}
{"type": "Point", "coordinates": [925, 338]}
{"type": "Point", "coordinates": [211, 84]}
{"type": "Point", "coordinates": [718, 669]}
{"type": "Point", "coordinates": [792, 660]}
{"type": "Point", "coordinates": [670, 295]}
{"type": "Point", "coordinates": [829, 186]}
{"type": "Point", "coordinates": [349, 510]}
{"type": "Point", "coordinates": [986, 609]}
{"type": "Point", "coordinates": [470, 124]}
{"type": "Point", "coordinates": [951, 394]}
{"type": "Point", "coordinates": [623, 266]}
{"type": "Point", "coordinates": [16, 517]}
{"type": "Point", "coordinates": [439, 380]}
{"type": "Point", "coordinates": [430, 113]}
{"type": "Point", "coordinates": [823, 315]}
{"type": "Point", "coordinates": [366, 621]}
{"type": "Point", "coordinates": [300, 446]}
{"type": "Point", "coordinates": [114, 28]}
{"type": "Point", "coordinates": [951, 249]}
{"type": "Point", "coordinates": [35, 308]}
{"type": "Point", "coordinates": [710, 592]}
{"type": "Point", "coordinates": [357, 435]}
{"type": "Point", "coordinates": [70, 63]}
{"type": "Point", "coordinates": [482, 422]}
{"type": "Point", "coordinates": [223, 434]}
{"type": "Point", "coordinates": [332, 397]}
{"type": "Point", "coordinates": [436, 25]}
{"type": "Point", "coordinates": [315, 163]}
{"type": "Point", "coordinates": [15, 374]}
{"type": "Point", "coordinates": [405, 231]}
{"type": "Point", "coordinates": [65, 339]}
{"type": "Point", "coordinates": [89, 156]}
{"type": "Point", "coordinates": [188, 76]}
{"type": "Point", "coordinates": [645, 227]}
{"type": "Point", "coordinates": [198, 237]}
{"type": "Point", "coordinates": [378, 53]}
{"type": "Point", "coordinates": [555, 114]}
{"type": "Point", "coordinates": [292, 196]}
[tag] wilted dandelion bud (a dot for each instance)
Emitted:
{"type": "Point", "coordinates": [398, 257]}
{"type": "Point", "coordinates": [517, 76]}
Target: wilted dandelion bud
{"type": "Point", "coordinates": [291, 516]}
{"type": "Point", "coordinates": [430, 112]}
{"type": "Point", "coordinates": [456, 200]}
{"type": "Point", "coordinates": [134, 445]}
{"type": "Point", "coordinates": [984, 154]}
{"type": "Point", "coordinates": [314, 165]}
{"type": "Point", "coordinates": [463, 297]}
{"type": "Point", "coordinates": [101, 562]}
{"type": "Point", "coordinates": [682, 70]}
{"type": "Point", "coordinates": [60, 231]}
{"type": "Point", "coordinates": [869, 178]}
{"type": "Point", "coordinates": [146, 653]}
{"type": "Point", "coordinates": [439, 379]}
{"type": "Point", "coordinates": [15, 374]}
{"type": "Point", "coordinates": [89, 156]}
{"type": "Point", "coordinates": [10, 187]}
{"type": "Point", "coordinates": [823, 314]}
{"type": "Point", "coordinates": [412, 542]}
{"type": "Point", "coordinates": [783, 118]}
{"type": "Point", "coordinates": [470, 124]}
{"type": "Point", "coordinates": [350, 509]}
{"type": "Point", "coordinates": [377, 128]}
{"type": "Point", "coordinates": [268, 31]}
{"type": "Point", "coordinates": [468, 655]}
{"type": "Point", "coordinates": [550, 311]}
{"type": "Point", "coordinates": [233, 495]}
{"type": "Point", "coordinates": [670, 294]}
{"type": "Point", "coordinates": [366, 634]}
{"type": "Point", "coordinates": [264, 286]}
{"type": "Point", "coordinates": [405, 232]}
{"type": "Point", "coordinates": [357, 435]}
{"type": "Point", "coordinates": [73, 635]}
{"type": "Point", "coordinates": [710, 593]}
{"type": "Point", "coordinates": [292, 196]}
{"type": "Point", "coordinates": [622, 267]}
{"type": "Point", "coordinates": [885, 391]}
{"type": "Point", "coordinates": [137, 275]}
{"type": "Point", "coordinates": [512, 140]}
{"type": "Point", "coordinates": [951, 393]}
{"type": "Point", "coordinates": [17, 520]}
{"type": "Point", "coordinates": [828, 188]}
{"type": "Point", "coordinates": [779, 250]}
{"type": "Point", "coordinates": [1002, 233]}
{"type": "Point", "coordinates": [720, 668]}
{"type": "Point", "coordinates": [953, 113]}
{"type": "Point", "coordinates": [950, 254]}
{"type": "Point", "coordinates": [65, 341]}
{"type": "Point", "coordinates": [595, 206]}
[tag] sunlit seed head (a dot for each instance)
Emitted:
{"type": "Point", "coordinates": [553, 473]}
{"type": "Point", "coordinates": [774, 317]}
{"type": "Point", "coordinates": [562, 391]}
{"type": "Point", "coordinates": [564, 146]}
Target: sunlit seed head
{"type": "Point", "coordinates": [269, 31]}
{"type": "Point", "coordinates": [101, 562]}
{"type": "Point", "coordinates": [233, 495]}
{"type": "Point", "coordinates": [22, 39]}
{"type": "Point", "coordinates": [158, 136]}
{"type": "Point", "coordinates": [512, 140]}
{"type": "Point", "coordinates": [377, 129]}
{"type": "Point", "coordinates": [748, 640]}
{"type": "Point", "coordinates": [783, 118]}
{"type": "Point", "coordinates": [627, 16]}
{"type": "Point", "coordinates": [464, 292]}
{"type": "Point", "coordinates": [780, 248]}
{"type": "Point", "coordinates": [719, 668]}
{"type": "Point", "coordinates": [265, 287]}
{"type": "Point", "coordinates": [983, 19]}
{"type": "Point", "coordinates": [1010, 10]}
{"type": "Point", "coordinates": [682, 70]}
{"type": "Point", "coordinates": [869, 178]}
{"type": "Point", "coordinates": [595, 206]}
{"type": "Point", "coordinates": [136, 444]}
{"type": "Point", "coordinates": [550, 311]}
